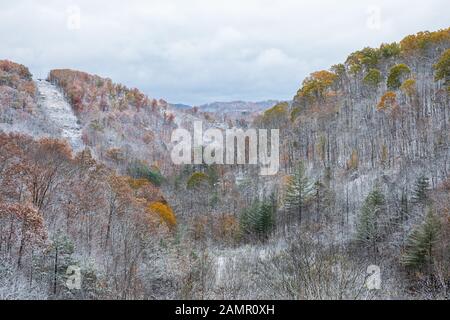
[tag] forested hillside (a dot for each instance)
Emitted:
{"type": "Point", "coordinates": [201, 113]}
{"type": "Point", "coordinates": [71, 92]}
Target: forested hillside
{"type": "Point", "coordinates": [363, 181]}
{"type": "Point", "coordinates": [119, 124]}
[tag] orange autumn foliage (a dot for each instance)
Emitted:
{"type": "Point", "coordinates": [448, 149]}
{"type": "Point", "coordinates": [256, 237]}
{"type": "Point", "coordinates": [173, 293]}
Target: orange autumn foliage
{"type": "Point", "coordinates": [145, 190]}
{"type": "Point", "coordinates": [227, 228]}
{"type": "Point", "coordinates": [29, 222]}
{"type": "Point", "coordinates": [17, 88]}
{"type": "Point", "coordinates": [164, 212]}
{"type": "Point", "coordinates": [315, 86]}
{"type": "Point", "coordinates": [21, 226]}
{"type": "Point", "coordinates": [389, 99]}
{"type": "Point", "coordinates": [422, 40]}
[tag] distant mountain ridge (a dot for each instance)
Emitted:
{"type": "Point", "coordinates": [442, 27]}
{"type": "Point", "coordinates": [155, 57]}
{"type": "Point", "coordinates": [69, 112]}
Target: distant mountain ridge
{"type": "Point", "coordinates": [238, 106]}
{"type": "Point", "coordinates": [230, 106]}
{"type": "Point", "coordinates": [180, 106]}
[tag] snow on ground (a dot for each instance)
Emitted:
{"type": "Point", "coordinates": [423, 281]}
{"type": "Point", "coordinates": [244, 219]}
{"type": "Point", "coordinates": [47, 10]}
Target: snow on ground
{"type": "Point", "coordinates": [60, 113]}
{"type": "Point", "coordinates": [226, 260]}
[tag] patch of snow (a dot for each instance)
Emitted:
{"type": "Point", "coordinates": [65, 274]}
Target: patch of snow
{"type": "Point", "coordinates": [60, 113]}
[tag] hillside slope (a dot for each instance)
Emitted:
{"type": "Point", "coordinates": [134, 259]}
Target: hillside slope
{"type": "Point", "coordinates": [60, 113]}
{"type": "Point", "coordinates": [363, 184]}
{"type": "Point", "coordinates": [356, 128]}
{"type": "Point", "coordinates": [366, 111]}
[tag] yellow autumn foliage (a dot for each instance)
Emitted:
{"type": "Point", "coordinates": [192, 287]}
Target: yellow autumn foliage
{"type": "Point", "coordinates": [164, 212]}
{"type": "Point", "coordinates": [277, 114]}
{"type": "Point", "coordinates": [409, 87]}
{"type": "Point", "coordinates": [315, 86]}
{"type": "Point", "coordinates": [422, 40]}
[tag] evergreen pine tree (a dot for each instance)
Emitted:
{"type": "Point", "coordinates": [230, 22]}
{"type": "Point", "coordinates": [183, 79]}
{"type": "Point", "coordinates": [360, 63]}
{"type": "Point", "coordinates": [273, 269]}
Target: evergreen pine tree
{"type": "Point", "coordinates": [367, 228]}
{"type": "Point", "coordinates": [421, 189]}
{"type": "Point", "coordinates": [60, 251]}
{"type": "Point", "coordinates": [321, 199]}
{"type": "Point", "coordinates": [421, 243]}
{"type": "Point", "coordinates": [265, 220]}
{"type": "Point", "coordinates": [249, 217]}
{"type": "Point", "coordinates": [259, 219]}
{"type": "Point", "coordinates": [299, 191]}
{"type": "Point", "coordinates": [403, 206]}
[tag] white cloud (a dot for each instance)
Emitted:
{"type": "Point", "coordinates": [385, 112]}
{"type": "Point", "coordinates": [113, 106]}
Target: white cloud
{"type": "Point", "coordinates": [198, 51]}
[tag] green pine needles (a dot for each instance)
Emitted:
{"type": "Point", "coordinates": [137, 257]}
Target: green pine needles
{"type": "Point", "coordinates": [421, 243]}
{"type": "Point", "coordinates": [421, 190]}
{"type": "Point", "coordinates": [396, 74]}
{"type": "Point", "coordinates": [140, 170]}
{"type": "Point", "coordinates": [299, 191]}
{"type": "Point", "coordinates": [259, 219]}
{"type": "Point", "coordinates": [368, 227]}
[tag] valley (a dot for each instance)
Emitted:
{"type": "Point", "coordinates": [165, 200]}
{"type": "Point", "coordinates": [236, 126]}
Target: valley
{"type": "Point", "coordinates": [87, 179]}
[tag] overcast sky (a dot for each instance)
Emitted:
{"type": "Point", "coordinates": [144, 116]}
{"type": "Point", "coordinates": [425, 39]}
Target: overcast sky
{"type": "Point", "coordinates": [199, 51]}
